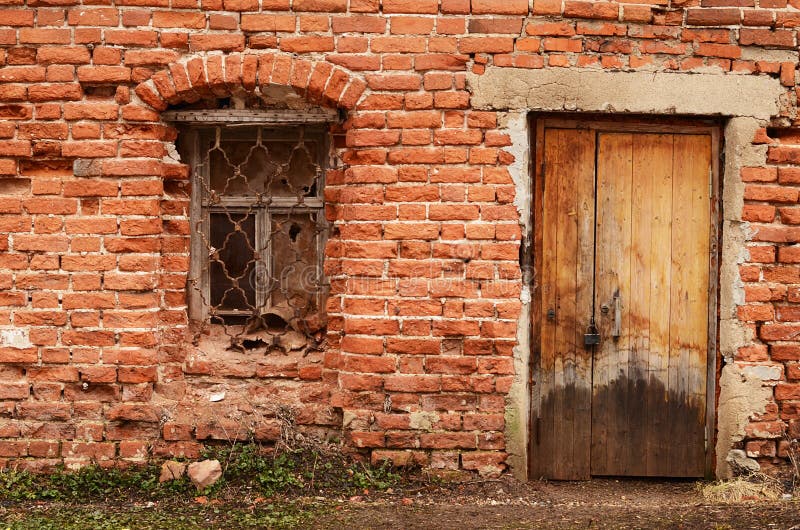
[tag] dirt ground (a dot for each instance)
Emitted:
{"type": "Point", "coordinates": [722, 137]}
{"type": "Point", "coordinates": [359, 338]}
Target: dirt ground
{"type": "Point", "coordinates": [603, 503]}
{"type": "Point", "coordinates": [480, 504]}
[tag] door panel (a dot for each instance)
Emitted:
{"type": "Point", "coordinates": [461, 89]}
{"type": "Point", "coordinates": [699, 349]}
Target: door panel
{"type": "Point", "coordinates": [657, 156]}
{"type": "Point", "coordinates": [566, 286]}
{"type": "Point", "coordinates": [689, 299]}
{"type": "Point", "coordinates": [625, 237]}
{"type": "Point", "coordinates": [610, 386]}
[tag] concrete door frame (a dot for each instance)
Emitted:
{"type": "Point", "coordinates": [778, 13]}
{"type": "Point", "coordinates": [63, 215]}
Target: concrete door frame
{"type": "Point", "coordinates": [747, 102]}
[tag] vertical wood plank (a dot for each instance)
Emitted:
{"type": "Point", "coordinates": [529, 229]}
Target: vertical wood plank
{"type": "Point", "coordinates": [612, 276]}
{"type": "Point", "coordinates": [689, 301]}
{"type": "Point", "coordinates": [545, 424]}
{"type": "Point", "coordinates": [644, 166]}
{"type": "Point", "coordinates": [566, 290]}
{"type": "Point", "coordinates": [698, 358]}
{"type": "Point", "coordinates": [658, 155]}
{"type": "Point", "coordinates": [197, 280]}
{"type": "Point", "coordinates": [580, 378]}
{"type": "Point", "coordinates": [678, 360]}
{"type": "Point", "coordinates": [713, 357]}
{"type": "Point", "coordinates": [566, 302]}
{"type": "Point", "coordinates": [537, 467]}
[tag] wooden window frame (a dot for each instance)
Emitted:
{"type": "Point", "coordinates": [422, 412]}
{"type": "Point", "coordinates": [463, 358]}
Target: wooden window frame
{"type": "Point", "coordinates": [538, 122]}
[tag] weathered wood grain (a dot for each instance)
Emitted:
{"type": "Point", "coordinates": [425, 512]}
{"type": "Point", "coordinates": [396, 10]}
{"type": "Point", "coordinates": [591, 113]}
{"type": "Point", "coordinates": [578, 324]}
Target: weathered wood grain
{"type": "Point", "coordinates": [567, 246]}
{"type": "Point", "coordinates": [612, 280]}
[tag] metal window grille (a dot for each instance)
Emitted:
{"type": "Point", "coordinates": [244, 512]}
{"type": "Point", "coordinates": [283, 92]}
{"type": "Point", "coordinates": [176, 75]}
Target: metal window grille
{"type": "Point", "coordinates": [258, 231]}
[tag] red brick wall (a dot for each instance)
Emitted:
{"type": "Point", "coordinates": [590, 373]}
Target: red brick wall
{"type": "Point", "coordinates": [424, 256]}
{"type": "Point", "coordinates": [771, 293]}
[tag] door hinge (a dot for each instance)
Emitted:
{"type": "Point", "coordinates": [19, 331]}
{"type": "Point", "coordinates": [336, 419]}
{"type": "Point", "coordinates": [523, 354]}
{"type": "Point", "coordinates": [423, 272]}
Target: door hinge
{"type": "Point", "coordinates": [542, 178]}
{"type": "Point", "coordinates": [711, 181]}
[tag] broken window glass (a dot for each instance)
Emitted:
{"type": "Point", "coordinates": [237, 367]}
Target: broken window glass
{"type": "Point", "coordinates": [270, 166]}
{"type": "Point", "coordinates": [233, 257]}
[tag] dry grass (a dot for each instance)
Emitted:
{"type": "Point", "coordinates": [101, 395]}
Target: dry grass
{"type": "Point", "coordinates": [756, 487]}
{"type": "Point", "coordinates": [793, 450]}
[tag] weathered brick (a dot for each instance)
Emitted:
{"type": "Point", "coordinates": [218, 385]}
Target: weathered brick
{"type": "Point", "coordinates": [423, 235]}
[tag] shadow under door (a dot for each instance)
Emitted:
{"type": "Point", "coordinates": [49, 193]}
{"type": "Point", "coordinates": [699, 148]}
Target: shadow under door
{"type": "Point", "coordinates": [623, 261]}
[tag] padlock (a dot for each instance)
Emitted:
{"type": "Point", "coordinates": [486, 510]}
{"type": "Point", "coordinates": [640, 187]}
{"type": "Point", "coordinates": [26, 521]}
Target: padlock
{"type": "Point", "coordinates": [592, 337]}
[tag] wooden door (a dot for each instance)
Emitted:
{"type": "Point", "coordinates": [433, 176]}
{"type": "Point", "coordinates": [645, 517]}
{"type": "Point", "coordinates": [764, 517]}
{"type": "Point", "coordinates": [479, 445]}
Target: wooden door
{"type": "Point", "coordinates": [624, 242]}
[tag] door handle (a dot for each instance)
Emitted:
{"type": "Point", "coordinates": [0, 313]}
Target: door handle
{"type": "Point", "coordinates": [617, 329]}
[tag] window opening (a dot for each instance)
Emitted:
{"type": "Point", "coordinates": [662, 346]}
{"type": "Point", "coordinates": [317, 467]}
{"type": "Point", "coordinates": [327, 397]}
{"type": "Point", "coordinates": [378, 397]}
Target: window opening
{"type": "Point", "coordinates": [258, 233]}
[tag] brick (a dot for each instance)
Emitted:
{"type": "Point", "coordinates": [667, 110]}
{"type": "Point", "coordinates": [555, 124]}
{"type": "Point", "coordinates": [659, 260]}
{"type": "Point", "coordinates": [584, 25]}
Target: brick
{"type": "Point", "coordinates": [172, 19]}
{"type": "Point", "coordinates": [486, 44]}
{"type": "Point", "coordinates": [719, 50]}
{"type": "Point", "coordinates": [765, 37]}
{"type": "Point", "coordinates": [500, 7]}
{"type": "Point", "coordinates": [712, 17]}
{"type": "Point", "coordinates": [63, 55]}
{"type": "Point", "coordinates": [104, 74]}
{"type": "Point", "coordinates": [559, 29]}
{"type": "Point", "coordinates": [93, 17]}
{"type": "Point", "coordinates": [131, 412]}
{"type": "Point", "coordinates": [97, 111]}
{"type": "Point", "coordinates": [758, 213]}
{"type": "Point", "coordinates": [452, 440]}
{"type": "Point", "coordinates": [16, 17]}
{"type": "Point", "coordinates": [410, 6]}
{"type": "Point", "coordinates": [770, 193]}
{"type": "Point", "coordinates": [326, 6]}
{"type": "Point", "coordinates": [65, 91]}
{"type": "Point", "coordinates": [135, 58]}
{"type": "Point", "coordinates": [546, 7]}
{"type": "Point", "coordinates": [131, 37]}
{"type": "Point", "coordinates": [22, 74]}
{"type": "Point", "coordinates": [596, 10]}
{"type": "Point", "coordinates": [220, 42]}
{"type": "Point", "coordinates": [44, 36]}
{"type": "Point", "coordinates": [787, 391]}
{"type": "Point", "coordinates": [409, 26]}
{"type": "Point", "coordinates": [259, 22]}
{"type": "Point", "coordinates": [307, 44]}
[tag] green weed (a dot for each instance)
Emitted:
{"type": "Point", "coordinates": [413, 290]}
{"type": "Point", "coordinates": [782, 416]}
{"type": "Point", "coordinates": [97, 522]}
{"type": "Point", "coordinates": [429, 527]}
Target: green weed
{"type": "Point", "coordinates": [173, 516]}
{"type": "Point", "coordinates": [245, 466]}
{"type": "Point", "coordinates": [90, 482]}
{"type": "Point", "coordinates": [370, 477]}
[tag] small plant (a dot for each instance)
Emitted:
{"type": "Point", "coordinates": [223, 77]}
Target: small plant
{"type": "Point", "coordinates": [379, 478]}
{"type": "Point", "coordinates": [90, 482]}
{"type": "Point", "coordinates": [17, 485]}
{"type": "Point", "coordinates": [280, 476]}
{"type": "Point", "coordinates": [273, 473]}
